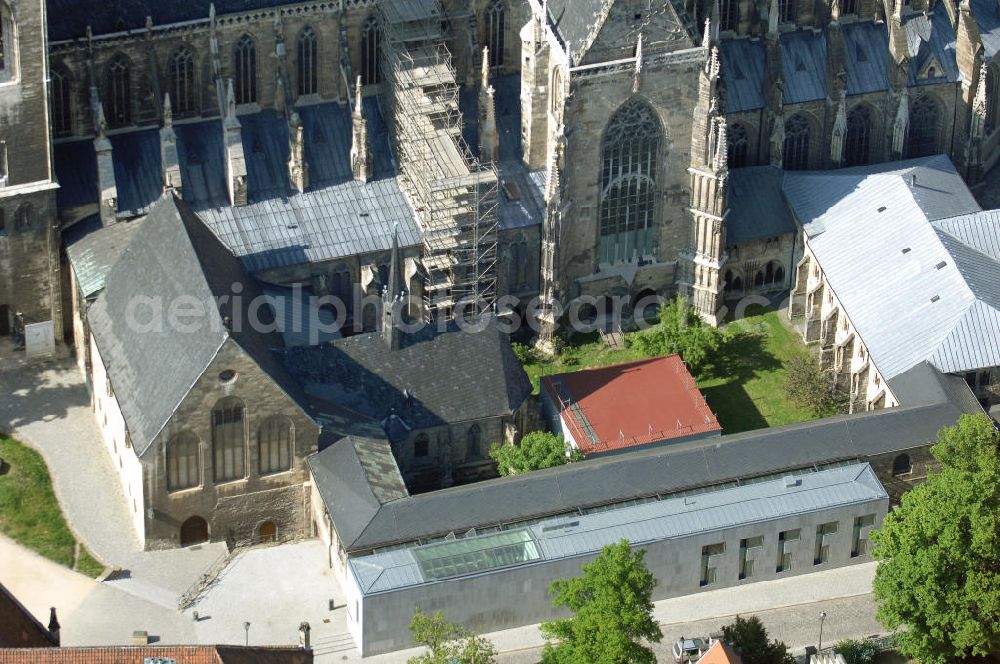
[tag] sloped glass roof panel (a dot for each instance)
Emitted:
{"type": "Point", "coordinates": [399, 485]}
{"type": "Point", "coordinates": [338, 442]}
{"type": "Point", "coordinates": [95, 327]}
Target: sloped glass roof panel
{"type": "Point", "coordinates": [478, 554]}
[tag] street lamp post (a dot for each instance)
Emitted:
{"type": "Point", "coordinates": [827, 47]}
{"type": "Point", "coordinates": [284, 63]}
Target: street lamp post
{"type": "Point", "coordinates": [822, 617]}
{"type": "Point", "coordinates": [246, 628]}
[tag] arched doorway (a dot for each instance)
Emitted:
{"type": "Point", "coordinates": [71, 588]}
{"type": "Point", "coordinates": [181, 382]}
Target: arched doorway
{"type": "Point", "coordinates": [902, 465]}
{"type": "Point", "coordinates": [267, 532]}
{"type": "Point", "coordinates": [194, 531]}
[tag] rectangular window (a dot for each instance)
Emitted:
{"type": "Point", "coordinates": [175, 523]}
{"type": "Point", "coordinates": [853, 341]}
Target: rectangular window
{"type": "Point", "coordinates": [859, 544]}
{"type": "Point", "coordinates": [984, 378]}
{"type": "Point", "coordinates": [708, 552]}
{"type": "Point", "coordinates": [784, 555]}
{"type": "Point", "coordinates": [746, 562]}
{"type": "Point", "coordinates": [824, 532]}
{"type": "Point", "coordinates": [3, 163]}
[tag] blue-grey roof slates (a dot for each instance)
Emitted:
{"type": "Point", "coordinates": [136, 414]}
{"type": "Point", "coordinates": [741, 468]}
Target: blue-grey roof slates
{"type": "Point", "coordinates": [988, 20]}
{"type": "Point", "coordinates": [932, 37]}
{"type": "Point", "coordinates": [265, 148]}
{"type": "Point", "coordinates": [201, 153]}
{"type": "Point", "coordinates": [803, 59]}
{"type": "Point", "coordinates": [866, 43]}
{"type": "Point", "coordinates": [76, 170]}
{"type": "Point", "coordinates": [743, 73]}
{"type": "Point", "coordinates": [757, 206]}
{"type": "Point", "coordinates": [138, 173]}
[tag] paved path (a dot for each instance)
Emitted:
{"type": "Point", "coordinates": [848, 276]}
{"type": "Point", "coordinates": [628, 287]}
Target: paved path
{"type": "Point", "coordinates": [45, 404]}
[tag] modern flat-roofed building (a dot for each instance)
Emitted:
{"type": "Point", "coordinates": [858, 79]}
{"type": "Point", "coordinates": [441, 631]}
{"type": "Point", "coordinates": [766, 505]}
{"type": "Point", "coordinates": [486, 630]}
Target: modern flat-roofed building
{"type": "Point", "coordinates": [702, 539]}
{"type": "Point", "coordinates": [622, 406]}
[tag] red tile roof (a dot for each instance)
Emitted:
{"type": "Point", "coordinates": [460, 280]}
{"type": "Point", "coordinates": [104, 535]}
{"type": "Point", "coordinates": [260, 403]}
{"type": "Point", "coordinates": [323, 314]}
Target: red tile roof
{"type": "Point", "coordinates": [632, 404]}
{"type": "Point", "coordinates": [18, 628]}
{"type": "Point", "coordinates": [138, 655]}
{"type": "Point", "coordinates": [720, 653]}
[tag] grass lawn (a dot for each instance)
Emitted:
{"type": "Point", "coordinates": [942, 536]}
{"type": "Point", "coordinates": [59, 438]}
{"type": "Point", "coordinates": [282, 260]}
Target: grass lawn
{"type": "Point", "coordinates": [742, 382]}
{"type": "Point", "coordinates": [30, 514]}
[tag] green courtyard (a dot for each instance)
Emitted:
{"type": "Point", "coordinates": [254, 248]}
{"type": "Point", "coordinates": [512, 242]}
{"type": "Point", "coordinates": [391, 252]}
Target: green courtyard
{"type": "Point", "coordinates": [29, 511]}
{"type": "Point", "coordinates": [743, 381]}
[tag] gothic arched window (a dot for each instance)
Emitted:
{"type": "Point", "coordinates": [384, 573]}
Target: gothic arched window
{"type": "Point", "coordinates": [739, 145]}
{"type": "Point", "coordinates": [183, 466]}
{"type": "Point", "coordinates": [182, 84]}
{"type": "Point", "coordinates": [24, 217]}
{"type": "Point", "coordinates": [473, 447]}
{"type": "Point", "coordinates": [796, 148]}
{"type": "Point", "coordinates": [729, 14]}
{"type": "Point", "coordinates": [518, 267]}
{"type": "Point", "coordinates": [925, 123]}
{"type": "Point", "coordinates": [496, 28]}
{"type": "Point", "coordinates": [118, 100]}
{"type": "Point", "coordinates": [274, 445]}
{"type": "Point", "coordinates": [556, 91]}
{"type": "Point", "coordinates": [62, 102]}
{"type": "Point", "coordinates": [992, 97]}
{"type": "Point", "coordinates": [371, 38]}
{"type": "Point", "coordinates": [8, 43]}
{"type": "Point", "coordinates": [246, 70]}
{"type": "Point", "coordinates": [786, 11]}
{"type": "Point", "coordinates": [228, 440]}
{"type": "Point", "coordinates": [630, 151]}
{"type": "Point", "coordinates": [308, 68]}
{"type": "Point", "coordinates": [858, 140]}
{"type": "Point", "coordinates": [848, 7]}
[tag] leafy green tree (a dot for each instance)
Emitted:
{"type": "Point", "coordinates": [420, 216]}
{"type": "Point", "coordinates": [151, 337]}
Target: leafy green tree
{"type": "Point", "coordinates": [537, 450]}
{"type": "Point", "coordinates": [810, 386]}
{"type": "Point", "coordinates": [613, 608]}
{"type": "Point", "coordinates": [749, 637]}
{"type": "Point", "coordinates": [448, 643]}
{"type": "Point", "coordinates": [680, 330]}
{"type": "Point", "coordinates": [939, 552]}
{"type": "Point", "coordinates": [858, 651]}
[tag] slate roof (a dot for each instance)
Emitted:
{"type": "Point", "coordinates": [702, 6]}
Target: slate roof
{"type": "Point", "coordinates": [138, 173]}
{"type": "Point", "coordinates": [593, 484]}
{"type": "Point", "coordinates": [803, 60]}
{"type": "Point", "coordinates": [925, 384]}
{"type": "Point", "coordinates": [866, 44]}
{"type": "Point", "coordinates": [574, 20]}
{"type": "Point", "coordinates": [356, 476]}
{"type": "Point", "coordinates": [201, 156]}
{"type": "Point", "coordinates": [18, 628]}
{"type": "Point", "coordinates": [152, 366]}
{"type": "Point", "coordinates": [743, 73]}
{"type": "Point", "coordinates": [93, 249]}
{"type": "Point", "coordinates": [142, 654]}
{"type": "Point", "coordinates": [265, 149]}
{"type": "Point", "coordinates": [988, 20]}
{"type": "Point", "coordinates": [68, 19]}
{"type": "Point", "coordinates": [757, 207]}
{"type": "Point", "coordinates": [932, 38]}
{"type": "Point", "coordinates": [76, 170]}
{"type": "Point", "coordinates": [919, 293]}
{"type": "Point", "coordinates": [453, 376]}
{"type": "Point", "coordinates": [649, 522]}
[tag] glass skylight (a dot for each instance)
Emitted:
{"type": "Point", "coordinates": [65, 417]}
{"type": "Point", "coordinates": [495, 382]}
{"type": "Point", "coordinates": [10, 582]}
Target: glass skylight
{"type": "Point", "coordinates": [478, 554]}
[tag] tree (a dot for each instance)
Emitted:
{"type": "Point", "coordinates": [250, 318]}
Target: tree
{"type": "Point", "coordinates": [680, 330]}
{"type": "Point", "coordinates": [448, 643]}
{"type": "Point", "coordinates": [810, 386]}
{"type": "Point", "coordinates": [613, 608]}
{"type": "Point", "coordinates": [537, 450]}
{"type": "Point", "coordinates": [858, 651]}
{"type": "Point", "coordinates": [748, 636]}
{"type": "Point", "coordinates": [939, 552]}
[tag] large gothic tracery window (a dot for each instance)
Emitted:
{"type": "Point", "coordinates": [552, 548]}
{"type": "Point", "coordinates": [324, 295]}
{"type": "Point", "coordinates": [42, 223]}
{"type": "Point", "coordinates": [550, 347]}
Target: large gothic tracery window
{"type": "Point", "coordinates": [370, 42]}
{"type": "Point", "coordinates": [308, 68]}
{"type": "Point", "coordinates": [992, 98]}
{"type": "Point", "coordinates": [8, 41]}
{"type": "Point", "coordinates": [182, 81]}
{"type": "Point", "coordinates": [857, 142]}
{"type": "Point", "coordinates": [245, 62]}
{"type": "Point", "coordinates": [62, 102]}
{"type": "Point", "coordinates": [628, 183]}
{"type": "Point", "coordinates": [118, 110]}
{"type": "Point", "coordinates": [729, 14]}
{"type": "Point", "coordinates": [496, 26]}
{"type": "Point", "coordinates": [796, 147]}
{"type": "Point", "coordinates": [739, 145]}
{"type": "Point", "coordinates": [925, 123]}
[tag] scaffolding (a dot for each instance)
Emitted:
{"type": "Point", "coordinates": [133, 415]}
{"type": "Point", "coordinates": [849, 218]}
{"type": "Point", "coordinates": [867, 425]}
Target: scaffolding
{"type": "Point", "coordinates": [454, 195]}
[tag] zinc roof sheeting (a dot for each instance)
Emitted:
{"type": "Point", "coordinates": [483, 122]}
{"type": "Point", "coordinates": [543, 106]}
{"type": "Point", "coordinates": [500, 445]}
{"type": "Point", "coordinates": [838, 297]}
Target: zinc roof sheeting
{"type": "Point", "coordinates": [649, 522]}
{"type": "Point", "coordinates": [743, 72]}
{"type": "Point", "coordinates": [923, 294]}
{"type": "Point", "coordinates": [979, 230]}
{"type": "Point", "coordinates": [803, 60]}
{"type": "Point", "coordinates": [866, 44]}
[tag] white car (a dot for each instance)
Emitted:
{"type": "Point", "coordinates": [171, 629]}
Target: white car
{"type": "Point", "coordinates": [689, 650]}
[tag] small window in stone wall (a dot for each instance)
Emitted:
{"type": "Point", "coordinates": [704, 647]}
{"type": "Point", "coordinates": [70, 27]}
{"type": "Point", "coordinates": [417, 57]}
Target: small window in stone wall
{"type": "Point", "coordinates": [8, 43]}
{"type": "Point", "coordinates": [24, 218]}
{"type": "Point", "coordinates": [902, 465]}
{"type": "Point", "coordinates": [3, 163]}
